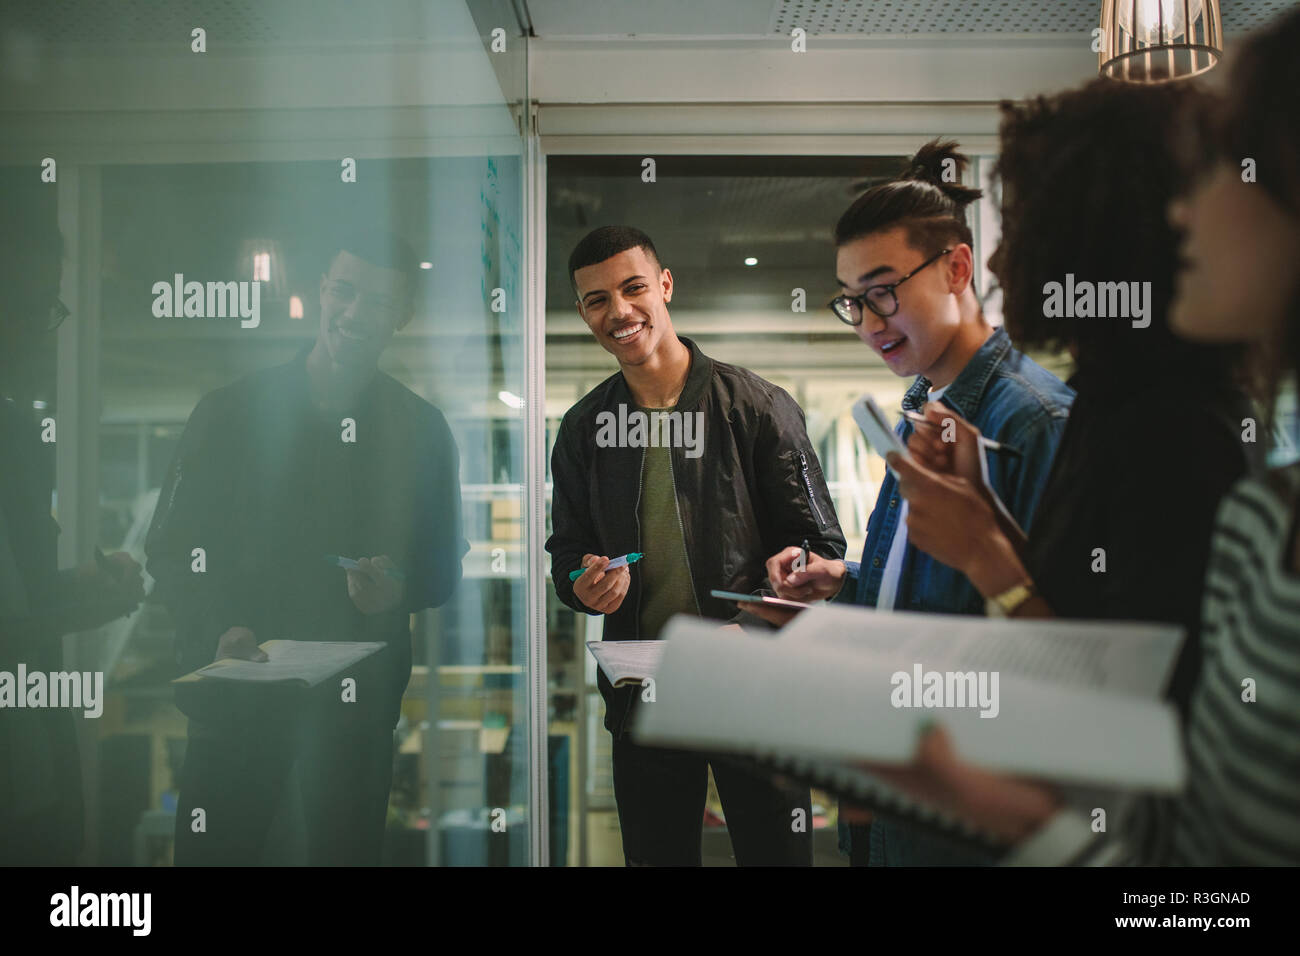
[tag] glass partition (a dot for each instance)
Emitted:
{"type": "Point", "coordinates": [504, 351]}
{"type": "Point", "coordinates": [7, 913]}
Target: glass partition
{"type": "Point", "coordinates": [290, 388]}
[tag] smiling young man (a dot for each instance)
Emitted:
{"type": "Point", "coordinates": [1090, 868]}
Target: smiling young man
{"type": "Point", "coordinates": [905, 265]}
{"type": "Point", "coordinates": [704, 512]}
{"type": "Point", "coordinates": [324, 455]}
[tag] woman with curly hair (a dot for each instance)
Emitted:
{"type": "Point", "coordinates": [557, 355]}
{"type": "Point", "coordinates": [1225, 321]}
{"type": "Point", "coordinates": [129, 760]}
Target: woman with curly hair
{"type": "Point", "coordinates": [1238, 284]}
{"type": "Point", "coordinates": [1153, 441]}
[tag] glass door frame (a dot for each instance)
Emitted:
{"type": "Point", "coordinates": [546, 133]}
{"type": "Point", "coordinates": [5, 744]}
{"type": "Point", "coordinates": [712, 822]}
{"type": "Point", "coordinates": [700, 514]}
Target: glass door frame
{"type": "Point", "coordinates": [696, 129]}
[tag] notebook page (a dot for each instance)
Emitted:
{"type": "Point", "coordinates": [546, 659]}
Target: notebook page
{"type": "Point", "coordinates": [1129, 657]}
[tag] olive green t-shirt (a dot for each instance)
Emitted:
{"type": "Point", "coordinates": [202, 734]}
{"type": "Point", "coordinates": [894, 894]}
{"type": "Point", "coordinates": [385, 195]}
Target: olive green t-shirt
{"type": "Point", "coordinates": [666, 587]}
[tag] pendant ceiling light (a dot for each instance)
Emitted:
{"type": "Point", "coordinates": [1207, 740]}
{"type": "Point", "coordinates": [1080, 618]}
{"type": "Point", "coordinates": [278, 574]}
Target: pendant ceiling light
{"type": "Point", "coordinates": [1151, 41]}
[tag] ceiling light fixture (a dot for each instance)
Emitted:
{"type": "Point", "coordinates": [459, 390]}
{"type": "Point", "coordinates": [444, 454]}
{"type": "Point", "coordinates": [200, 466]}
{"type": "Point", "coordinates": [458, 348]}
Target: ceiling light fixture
{"type": "Point", "coordinates": [1152, 41]}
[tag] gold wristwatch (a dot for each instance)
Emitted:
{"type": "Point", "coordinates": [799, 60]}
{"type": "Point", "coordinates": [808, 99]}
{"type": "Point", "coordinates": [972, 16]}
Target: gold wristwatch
{"type": "Point", "coordinates": [1009, 601]}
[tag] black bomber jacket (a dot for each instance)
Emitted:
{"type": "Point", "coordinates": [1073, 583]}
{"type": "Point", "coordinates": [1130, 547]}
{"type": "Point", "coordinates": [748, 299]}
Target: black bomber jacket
{"type": "Point", "coordinates": [755, 488]}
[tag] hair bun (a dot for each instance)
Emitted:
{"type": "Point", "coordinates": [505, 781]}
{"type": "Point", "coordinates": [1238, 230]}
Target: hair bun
{"type": "Point", "coordinates": [940, 164]}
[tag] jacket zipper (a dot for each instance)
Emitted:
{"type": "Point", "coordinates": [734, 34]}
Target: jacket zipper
{"type": "Point", "coordinates": [807, 483]}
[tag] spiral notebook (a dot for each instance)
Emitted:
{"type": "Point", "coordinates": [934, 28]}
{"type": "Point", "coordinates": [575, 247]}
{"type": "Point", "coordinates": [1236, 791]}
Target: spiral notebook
{"type": "Point", "coordinates": [627, 662]}
{"type": "Point", "coordinates": [1076, 703]}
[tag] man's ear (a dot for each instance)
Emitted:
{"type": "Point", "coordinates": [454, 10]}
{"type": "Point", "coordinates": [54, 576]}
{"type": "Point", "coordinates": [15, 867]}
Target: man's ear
{"type": "Point", "coordinates": [961, 268]}
{"type": "Point", "coordinates": [666, 284]}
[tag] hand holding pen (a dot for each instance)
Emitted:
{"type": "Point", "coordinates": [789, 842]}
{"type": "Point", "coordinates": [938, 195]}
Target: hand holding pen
{"type": "Point", "coordinates": [944, 442]}
{"type": "Point", "coordinates": [374, 584]}
{"type": "Point", "coordinates": [600, 588]}
{"type": "Point", "coordinates": [962, 456]}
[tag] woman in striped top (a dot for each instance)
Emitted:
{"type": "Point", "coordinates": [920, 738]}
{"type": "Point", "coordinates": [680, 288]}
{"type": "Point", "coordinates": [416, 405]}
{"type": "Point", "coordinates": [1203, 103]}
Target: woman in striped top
{"type": "Point", "coordinates": [1239, 284]}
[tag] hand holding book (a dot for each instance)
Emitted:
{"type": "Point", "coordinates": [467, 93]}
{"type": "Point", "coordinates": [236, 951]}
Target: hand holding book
{"type": "Point", "coordinates": [1007, 806]}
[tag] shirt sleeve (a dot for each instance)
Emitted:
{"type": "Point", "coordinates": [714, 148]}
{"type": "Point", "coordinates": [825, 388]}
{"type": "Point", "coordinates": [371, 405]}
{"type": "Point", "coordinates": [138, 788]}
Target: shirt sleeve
{"type": "Point", "coordinates": [796, 504]}
{"type": "Point", "coordinates": [1061, 841]}
{"type": "Point", "coordinates": [1037, 442]}
{"type": "Point", "coordinates": [1140, 835]}
{"type": "Point", "coordinates": [438, 569]}
{"type": "Point", "coordinates": [195, 496]}
{"type": "Point", "coordinates": [572, 535]}
{"type": "Point", "coordinates": [1157, 533]}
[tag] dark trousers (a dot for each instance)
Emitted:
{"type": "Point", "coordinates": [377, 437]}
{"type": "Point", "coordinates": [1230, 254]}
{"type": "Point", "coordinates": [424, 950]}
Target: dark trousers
{"type": "Point", "coordinates": [900, 844]}
{"type": "Point", "coordinates": [239, 782]}
{"type": "Point", "coordinates": [661, 795]}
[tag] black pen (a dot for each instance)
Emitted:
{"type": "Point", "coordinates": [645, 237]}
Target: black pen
{"type": "Point", "coordinates": [805, 554]}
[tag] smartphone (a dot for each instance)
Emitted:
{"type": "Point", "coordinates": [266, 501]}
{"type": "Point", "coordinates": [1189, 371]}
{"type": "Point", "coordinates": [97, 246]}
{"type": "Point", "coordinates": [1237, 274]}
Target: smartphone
{"type": "Point", "coordinates": [875, 426]}
{"type": "Point", "coordinates": [759, 599]}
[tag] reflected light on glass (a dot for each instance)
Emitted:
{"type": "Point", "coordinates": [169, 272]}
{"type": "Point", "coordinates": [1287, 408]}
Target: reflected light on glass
{"type": "Point", "coordinates": [295, 307]}
{"type": "Point", "coordinates": [511, 399]}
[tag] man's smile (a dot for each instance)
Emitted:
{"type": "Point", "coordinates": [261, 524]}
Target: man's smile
{"type": "Point", "coordinates": [628, 332]}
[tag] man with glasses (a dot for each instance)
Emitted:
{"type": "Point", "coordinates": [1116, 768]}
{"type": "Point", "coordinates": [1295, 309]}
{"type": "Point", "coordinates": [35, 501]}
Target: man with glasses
{"type": "Point", "coordinates": [276, 477]}
{"type": "Point", "coordinates": [906, 268]}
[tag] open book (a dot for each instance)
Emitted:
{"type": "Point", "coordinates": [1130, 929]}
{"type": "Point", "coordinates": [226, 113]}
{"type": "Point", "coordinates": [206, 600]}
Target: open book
{"type": "Point", "coordinates": [1066, 701]}
{"type": "Point", "coordinates": [306, 662]}
{"type": "Point", "coordinates": [628, 662]}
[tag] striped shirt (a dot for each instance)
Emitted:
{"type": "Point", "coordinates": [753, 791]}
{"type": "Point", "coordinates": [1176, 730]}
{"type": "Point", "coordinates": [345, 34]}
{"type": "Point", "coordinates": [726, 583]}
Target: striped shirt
{"type": "Point", "coordinates": [1241, 806]}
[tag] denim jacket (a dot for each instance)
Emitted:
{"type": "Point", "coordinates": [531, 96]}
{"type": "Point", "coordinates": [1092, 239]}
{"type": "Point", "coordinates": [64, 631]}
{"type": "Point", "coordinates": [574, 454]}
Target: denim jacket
{"type": "Point", "coordinates": [1009, 398]}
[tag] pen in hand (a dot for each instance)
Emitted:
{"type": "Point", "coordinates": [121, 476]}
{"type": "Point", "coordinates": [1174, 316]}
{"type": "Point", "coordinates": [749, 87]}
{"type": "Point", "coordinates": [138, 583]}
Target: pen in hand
{"type": "Point", "coordinates": [632, 557]}
{"type": "Point", "coordinates": [987, 443]}
{"type": "Point", "coordinates": [351, 564]}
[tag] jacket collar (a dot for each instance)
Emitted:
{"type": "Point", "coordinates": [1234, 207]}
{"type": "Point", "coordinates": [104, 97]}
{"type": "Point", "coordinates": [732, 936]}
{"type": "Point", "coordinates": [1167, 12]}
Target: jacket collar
{"type": "Point", "coordinates": [967, 389]}
{"type": "Point", "coordinates": [697, 379]}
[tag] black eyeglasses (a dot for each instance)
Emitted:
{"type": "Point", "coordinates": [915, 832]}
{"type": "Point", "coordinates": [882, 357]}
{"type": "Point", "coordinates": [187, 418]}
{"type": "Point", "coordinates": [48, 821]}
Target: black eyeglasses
{"type": "Point", "coordinates": [345, 293]}
{"type": "Point", "coordinates": [880, 299]}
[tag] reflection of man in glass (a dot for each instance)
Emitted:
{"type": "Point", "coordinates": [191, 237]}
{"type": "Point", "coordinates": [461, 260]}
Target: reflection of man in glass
{"type": "Point", "coordinates": [325, 455]}
{"type": "Point", "coordinates": [40, 780]}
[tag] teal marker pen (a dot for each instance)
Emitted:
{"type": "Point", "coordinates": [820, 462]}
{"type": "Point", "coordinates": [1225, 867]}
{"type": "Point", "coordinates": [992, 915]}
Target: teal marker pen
{"type": "Point", "coordinates": [630, 558]}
